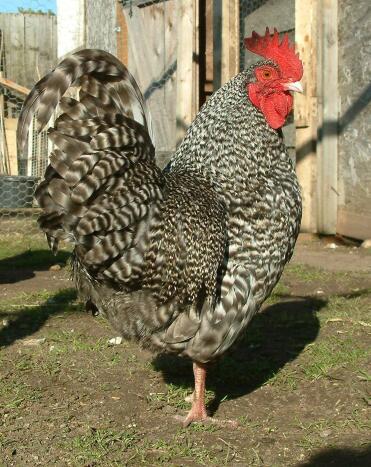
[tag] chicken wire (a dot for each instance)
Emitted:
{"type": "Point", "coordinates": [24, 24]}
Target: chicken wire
{"type": "Point", "coordinates": [246, 8]}
{"type": "Point", "coordinates": [21, 65]}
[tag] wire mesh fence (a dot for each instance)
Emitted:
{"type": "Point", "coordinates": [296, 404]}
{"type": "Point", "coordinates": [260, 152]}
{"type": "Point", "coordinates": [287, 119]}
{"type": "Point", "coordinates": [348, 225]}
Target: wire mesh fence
{"type": "Point", "coordinates": [27, 52]}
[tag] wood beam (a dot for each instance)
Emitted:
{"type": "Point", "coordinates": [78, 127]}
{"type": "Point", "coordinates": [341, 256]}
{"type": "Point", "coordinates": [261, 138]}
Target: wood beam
{"type": "Point", "coordinates": [327, 148]}
{"type": "Point", "coordinates": [186, 73]}
{"type": "Point", "coordinates": [306, 110]}
{"type": "Point", "coordinates": [8, 83]}
{"type": "Point", "coordinates": [230, 39]}
{"type": "Point", "coordinates": [226, 40]}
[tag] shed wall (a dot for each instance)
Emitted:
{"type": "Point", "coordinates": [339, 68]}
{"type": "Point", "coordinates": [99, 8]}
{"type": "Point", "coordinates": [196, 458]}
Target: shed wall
{"type": "Point", "coordinates": [354, 215]}
{"type": "Point", "coordinates": [152, 61]}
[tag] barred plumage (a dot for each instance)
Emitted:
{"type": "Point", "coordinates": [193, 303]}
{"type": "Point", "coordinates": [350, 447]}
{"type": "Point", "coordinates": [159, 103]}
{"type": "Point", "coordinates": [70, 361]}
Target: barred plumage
{"type": "Point", "coordinates": [179, 259]}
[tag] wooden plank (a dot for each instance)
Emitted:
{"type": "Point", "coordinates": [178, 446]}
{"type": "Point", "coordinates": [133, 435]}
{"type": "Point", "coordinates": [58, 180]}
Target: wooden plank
{"type": "Point", "coordinates": [33, 26]}
{"type": "Point", "coordinates": [153, 42]}
{"type": "Point", "coordinates": [30, 46]}
{"type": "Point", "coordinates": [184, 74]}
{"type": "Point", "coordinates": [226, 26]}
{"type": "Point", "coordinates": [100, 25]}
{"type": "Point", "coordinates": [12, 26]}
{"type": "Point", "coordinates": [209, 48]}
{"type": "Point", "coordinates": [40, 47]}
{"type": "Point", "coordinates": [230, 60]}
{"type": "Point", "coordinates": [217, 44]}
{"type": "Point", "coordinates": [8, 83]}
{"type": "Point", "coordinates": [327, 148]}
{"type": "Point", "coordinates": [205, 50]}
{"type": "Point", "coordinates": [196, 59]}
{"type": "Point", "coordinates": [10, 125]}
{"type": "Point", "coordinates": [354, 169]}
{"type": "Point", "coordinates": [122, 35]}
{"type": "Point", "coordinates": [305, 111]}
{"type": "Point", "coordinates": [4, 169]}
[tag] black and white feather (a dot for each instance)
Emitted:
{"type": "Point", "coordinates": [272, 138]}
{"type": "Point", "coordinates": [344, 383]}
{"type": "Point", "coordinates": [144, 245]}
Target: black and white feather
{"type": "Point", "coordinates": [180, 259]}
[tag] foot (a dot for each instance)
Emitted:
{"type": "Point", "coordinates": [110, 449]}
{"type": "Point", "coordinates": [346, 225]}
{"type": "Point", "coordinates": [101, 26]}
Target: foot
{"type": "Point", "coordinates": [191, 418]}
{"type": "Point", "coordinates": [196, 414]}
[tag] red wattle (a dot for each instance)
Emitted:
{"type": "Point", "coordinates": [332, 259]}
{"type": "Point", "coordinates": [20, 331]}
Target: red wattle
{"type": "Point", "coordinates": [275, 106]}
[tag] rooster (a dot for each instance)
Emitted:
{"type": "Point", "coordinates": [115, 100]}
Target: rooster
{"type": "Point", "coordinates": [180, 259]}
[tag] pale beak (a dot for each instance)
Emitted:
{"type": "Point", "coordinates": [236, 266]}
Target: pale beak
{"type": "Point", "coordinates": [296, 87]}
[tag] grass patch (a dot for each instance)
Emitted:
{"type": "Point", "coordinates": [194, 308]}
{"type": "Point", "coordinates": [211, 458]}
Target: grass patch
{"type": "Point", "coordinates": [306, 273]}
{"type": "Point", "coordinates": [98, 443]}
{"type": "Point", "coordinates": [179, 448]}
{"type": "Point", "coordinates": [41, 299]}
{"type": "Point", "coordinates": [71, 341]}
{"type": "Point", "coordinates": [331, 354]}
{"type": "Point", "coordinates": [29, 252]}
{"type": "Point", "coordinates": [348, 310]}
{"type": "Point", "coordinates": [299, 343]}
{"type": "Point", "coordinates": [15, 394]}
{"type": "Point", "coordinates": [175, 396]}
{"type": "Point", "coordinates": [27, 313]}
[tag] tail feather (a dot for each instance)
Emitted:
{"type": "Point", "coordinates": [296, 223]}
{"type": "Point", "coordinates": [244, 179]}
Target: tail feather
{"type": "Point", "coordinates": [103, 68]}
{"type": "Point", "coordinates": [102, 177]}
{"type": "Point", "coordinates": [73, 109]}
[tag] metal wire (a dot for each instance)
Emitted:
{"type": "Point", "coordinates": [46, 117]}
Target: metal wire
{"type": "Point", "coordinates": [20, 172]}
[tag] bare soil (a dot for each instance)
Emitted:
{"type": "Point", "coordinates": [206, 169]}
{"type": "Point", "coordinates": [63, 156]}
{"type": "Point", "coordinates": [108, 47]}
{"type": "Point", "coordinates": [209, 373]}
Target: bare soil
{"type": "Point", "coordinates": [297, 383]}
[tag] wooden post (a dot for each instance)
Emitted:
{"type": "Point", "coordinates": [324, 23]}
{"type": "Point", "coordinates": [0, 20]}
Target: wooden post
{"type": "Point", "coordinates": [196, 59]}
{"type": "Point", "coordinates": [209, 60]}
{"type": "Point", "coordinates": [5, 163]}
{"type": "Point", "coordinates": [226, 41]}
{"type": "Point", "coordinates": [327, 157]}
{"type": "Point", "coordinates": [306, 110]}
{"type": "Point", "coordinates": [230, 39]}
{"type": "Point", "coordinates": [10, 125]}
{"type": "Point", "coordinates": [185, 74]}
{"type": "Point", "coordinates": [71, 25]}
{"type": "Point", "coordinates": [122, 35]}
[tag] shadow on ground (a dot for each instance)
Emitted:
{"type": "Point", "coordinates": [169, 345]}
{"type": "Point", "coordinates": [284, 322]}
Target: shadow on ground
{"type": "Point", "coordinates": [30, 319]}
{"type": "Point", "coordinates": [340, 457]}
{"type": "Point", "coordinates": [23, 266]}
{"type": "Point", "coordinates": [275, 337]}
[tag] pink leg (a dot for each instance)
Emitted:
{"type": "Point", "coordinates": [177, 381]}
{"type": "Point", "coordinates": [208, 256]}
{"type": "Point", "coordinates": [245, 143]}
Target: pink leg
{"type": "Point", "coordinates": [198, 411]}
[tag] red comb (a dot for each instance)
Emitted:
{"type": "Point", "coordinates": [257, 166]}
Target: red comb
{"type": "Point", "coordinates": [281, 53]}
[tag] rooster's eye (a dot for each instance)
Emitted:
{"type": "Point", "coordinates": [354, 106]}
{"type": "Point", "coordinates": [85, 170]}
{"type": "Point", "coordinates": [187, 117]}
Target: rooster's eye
{"type": "Point", "coordinates": [267, 74]}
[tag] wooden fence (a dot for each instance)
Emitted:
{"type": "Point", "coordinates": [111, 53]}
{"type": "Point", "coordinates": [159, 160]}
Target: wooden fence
{"type": "Point", "coordinates": [30, 42]}
{"type": "Point", "coordinates": [28, 50]}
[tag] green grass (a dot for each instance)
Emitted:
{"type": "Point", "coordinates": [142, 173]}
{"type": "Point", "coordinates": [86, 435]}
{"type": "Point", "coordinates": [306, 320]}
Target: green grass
{"type": "Point", "coordinates": [29, 251]}
{"type": "Point", "coordinates": [307, 273]}
{"type": "Point", "coordinates": [44, 298]}
{"type": "Point", "coordinates": [175, 396]}
{"type": "Point", "coordinates": [182, 447]}
{"type": "Point", "coordinates": [73, 387]}
{"type": "Point", "coordinates": [323, 358]}
{"type": "Point", "coordinates": [97, 443]}
{"type": "Point", "coordinates": [15, 394]}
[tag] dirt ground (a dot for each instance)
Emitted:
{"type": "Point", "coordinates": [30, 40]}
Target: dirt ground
{"type": "Point", "coordinates": [297, 383]}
